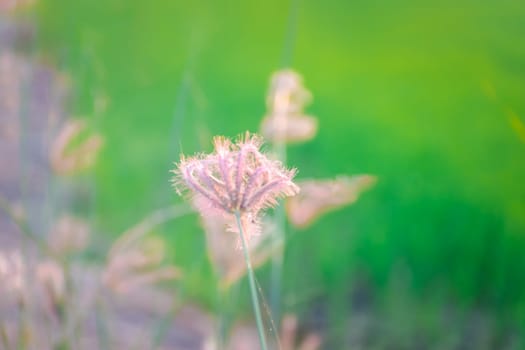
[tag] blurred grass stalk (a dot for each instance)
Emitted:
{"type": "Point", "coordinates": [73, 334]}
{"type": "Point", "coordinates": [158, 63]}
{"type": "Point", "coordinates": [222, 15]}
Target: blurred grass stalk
{"type": "Point", "coordinates": [284, 123]}
{"type": "Point", "coordinates": [279, 149]}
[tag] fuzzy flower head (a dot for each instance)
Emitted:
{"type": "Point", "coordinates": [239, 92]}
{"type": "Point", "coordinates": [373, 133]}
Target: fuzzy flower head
{"type": "Point", "coordinates": [235, 178]}
{"type": "Point", "coordinates": [285, 120]}
{"type": "Point", "coordinates": [321, 196]}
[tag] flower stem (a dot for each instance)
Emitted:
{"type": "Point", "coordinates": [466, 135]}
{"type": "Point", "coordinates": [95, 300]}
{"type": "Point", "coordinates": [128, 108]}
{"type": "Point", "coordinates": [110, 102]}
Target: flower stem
{"type": "Point", "coordinates": [253, 290]}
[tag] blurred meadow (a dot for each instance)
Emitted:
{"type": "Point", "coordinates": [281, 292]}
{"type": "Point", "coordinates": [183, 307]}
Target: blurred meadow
{"type": "Point", "coordinates": [428, 97]}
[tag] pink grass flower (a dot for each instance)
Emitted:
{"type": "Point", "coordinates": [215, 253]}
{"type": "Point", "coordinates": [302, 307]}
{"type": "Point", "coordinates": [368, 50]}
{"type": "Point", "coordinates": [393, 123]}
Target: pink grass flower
{"type": "Point", "coordinates": [322, 196]}
{"type": "Point", "coordinates": [285, 120]}
{"type": "Point", "coordinates": [235, 178]}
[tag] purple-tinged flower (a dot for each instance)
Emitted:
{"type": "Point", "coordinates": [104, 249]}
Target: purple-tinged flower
{"type": "Point", "coordinates": [321, 196]}
{"type": "Point", "coordinates": [285, 120]}
{"type": "Point", "coordinates": [235, 178]}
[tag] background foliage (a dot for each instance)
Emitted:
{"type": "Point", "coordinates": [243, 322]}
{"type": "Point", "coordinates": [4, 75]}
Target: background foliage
{"type": "Point", "coordinates": [430, 97]}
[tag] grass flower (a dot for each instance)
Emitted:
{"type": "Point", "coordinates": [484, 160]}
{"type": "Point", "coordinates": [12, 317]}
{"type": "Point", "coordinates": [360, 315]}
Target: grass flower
{"type": "Point", "coordinates": [287, 93]}
{"type": "Point", "coordinates": [318, 197]}
{"type": "Point", "coordinates": [139, 264]}
{"type": "Point", "coordinates": [70, 152]}
{"type": "Point", "coordinates": [285, 121]}
{"type": "Point", "coordinates": [235, 178]}
{"type": "Point", "coordinates": [237, 181]}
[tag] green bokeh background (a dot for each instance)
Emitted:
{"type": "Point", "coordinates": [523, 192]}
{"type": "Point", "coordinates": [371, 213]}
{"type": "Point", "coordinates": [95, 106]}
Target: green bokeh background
{"type": "Point", "coordinates": [427, 96]}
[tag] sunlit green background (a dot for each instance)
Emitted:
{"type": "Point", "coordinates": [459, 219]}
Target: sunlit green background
{"type": "Point", "coordinates": [428, 96]}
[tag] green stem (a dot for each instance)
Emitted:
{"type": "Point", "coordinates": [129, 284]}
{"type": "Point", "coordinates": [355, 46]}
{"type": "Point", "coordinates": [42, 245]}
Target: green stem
{"type": "Point", "coordinates": [253, 289]}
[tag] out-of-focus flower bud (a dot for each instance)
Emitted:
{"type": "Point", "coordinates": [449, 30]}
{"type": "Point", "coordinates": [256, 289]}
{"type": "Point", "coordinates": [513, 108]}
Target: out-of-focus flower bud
{"type": "Point", "coordinates": [285, 120]}
{"type": "Point", "coordinates": [318, 197]}
{"type": "Point", "coordinates": [138, 264]}
{"type": "Point", "coordinates": [286, 93]}
{"type": "Point", "coordinates": [69, 154]}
